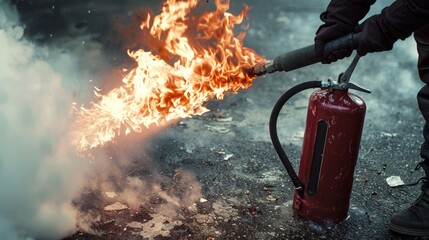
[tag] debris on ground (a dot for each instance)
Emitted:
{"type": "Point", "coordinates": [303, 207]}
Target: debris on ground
{"type": "Point", "coordinates": [357, 179]}
{"type": "Point", "coordinates": [221, 153]}
{"type": "Point", "coordinates": [272, 198]}
{"type": "Point", "coordinates": [392, 135]}
{"type": "Point", "coordinates": [394, 181]}
{"type": "Point", "coordinates": [135, 225]}
{"type": "Point", "coordinates": [225, 119]}
{"type": "Point", "coordinates": [117, 206]}
{"type": "Point", "coordinates": [218, 129]}
{"type": "Point", "coordinates": [159, 226]}
{"type": "Point", "coordinates": [111, 194]}
{"type": "Point", "coordinates": [227, 157]}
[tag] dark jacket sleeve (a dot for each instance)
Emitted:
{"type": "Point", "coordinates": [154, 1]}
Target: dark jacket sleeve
{"type": "Point", "coordinates": [398, 21]}
{"type": "Point", "coordinates": [341, 17]}
{"type": "Point", "coordinates": [403, 17]}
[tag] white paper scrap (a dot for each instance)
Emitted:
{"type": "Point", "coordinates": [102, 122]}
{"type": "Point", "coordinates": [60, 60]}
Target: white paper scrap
{"type": "Point", "coordinates": [111, 194]}
{"type": "Point", "coordinates": [394, 181]}
{"type": "Point", "coordinates": [117, 206]}
{"type": "Point", "coordinates": [225, 119]}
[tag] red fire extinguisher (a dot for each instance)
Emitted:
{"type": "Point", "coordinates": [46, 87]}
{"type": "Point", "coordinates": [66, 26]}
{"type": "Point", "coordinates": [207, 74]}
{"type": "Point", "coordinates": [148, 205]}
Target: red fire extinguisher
{"type": "Point", "coordinates": [335, 119]}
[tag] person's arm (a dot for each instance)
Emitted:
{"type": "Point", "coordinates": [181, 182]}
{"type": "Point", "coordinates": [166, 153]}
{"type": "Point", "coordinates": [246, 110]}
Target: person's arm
{"type": "Point", "coordinates": [398, 21]}
{"type": "Point", "coordinates": [340, 18]}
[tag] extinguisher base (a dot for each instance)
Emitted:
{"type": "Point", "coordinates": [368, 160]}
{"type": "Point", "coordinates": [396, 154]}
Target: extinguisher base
{"type": "Point", "coordinates": [310, 211]}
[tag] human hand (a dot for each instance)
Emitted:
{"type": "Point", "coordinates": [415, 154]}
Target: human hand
{"type": "Point", "coordinates": [374, 37]}
{"type": "Point", "coordinates": [330, 30]}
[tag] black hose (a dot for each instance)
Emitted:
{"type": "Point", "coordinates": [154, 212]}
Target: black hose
{"type": "Point", "coordinates": [273, 130]}
{"type": "Point", "coordinates": [305, 56]}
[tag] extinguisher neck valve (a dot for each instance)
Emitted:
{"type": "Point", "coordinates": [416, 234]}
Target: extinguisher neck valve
{"type": "Point", "coordinates": [337, 85]}
{"type": "Point", "coordinates": [327, 83]}
{"type": "Point", "coordinates": [332, 84]}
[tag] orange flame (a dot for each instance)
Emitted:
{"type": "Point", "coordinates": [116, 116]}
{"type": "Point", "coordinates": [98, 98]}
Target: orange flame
{"type": "Point", "coordinates": [198, 59]}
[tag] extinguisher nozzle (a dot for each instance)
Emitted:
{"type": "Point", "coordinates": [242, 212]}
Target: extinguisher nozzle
{"type": "Point", "coordinates": [261, 69]}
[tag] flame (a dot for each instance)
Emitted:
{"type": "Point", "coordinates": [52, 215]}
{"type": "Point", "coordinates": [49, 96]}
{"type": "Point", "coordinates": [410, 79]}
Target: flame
{"type": "Point", "coordinates": [198, 58]}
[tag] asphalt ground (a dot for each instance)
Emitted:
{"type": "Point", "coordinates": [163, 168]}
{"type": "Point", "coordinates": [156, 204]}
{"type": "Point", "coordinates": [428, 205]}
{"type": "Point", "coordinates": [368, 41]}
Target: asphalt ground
{"type": "Point", "coordinates": [248, 193]}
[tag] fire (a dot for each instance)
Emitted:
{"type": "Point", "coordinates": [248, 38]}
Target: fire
{"type": "Point", "coordinates": [197, 59]}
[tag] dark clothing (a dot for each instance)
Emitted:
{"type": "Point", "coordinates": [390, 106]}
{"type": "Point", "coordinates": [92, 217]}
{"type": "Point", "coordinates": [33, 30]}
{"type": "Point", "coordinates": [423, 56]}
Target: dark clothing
{"type": "Point", "coordinates": [341, 17]}
{"type": "Point", "coordinates": [422, 38]}
{"type": "Point", "coordinates": [398, 21]}
{"type": "Point", "coordinates": [379, 32]}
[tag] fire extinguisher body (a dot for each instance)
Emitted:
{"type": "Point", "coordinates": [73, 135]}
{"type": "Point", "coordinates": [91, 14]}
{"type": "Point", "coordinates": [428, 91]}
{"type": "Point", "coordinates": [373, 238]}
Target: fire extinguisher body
{"type": "Point", "coordinates": [330, 150]}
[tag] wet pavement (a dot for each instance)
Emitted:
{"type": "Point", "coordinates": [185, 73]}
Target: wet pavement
{"type": "Point", "coordinates": [226, 154]}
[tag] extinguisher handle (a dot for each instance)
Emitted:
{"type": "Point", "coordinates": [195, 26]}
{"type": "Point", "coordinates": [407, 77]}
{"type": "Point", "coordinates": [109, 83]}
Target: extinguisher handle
{"type": "Point", "coordinates": [273, 130]}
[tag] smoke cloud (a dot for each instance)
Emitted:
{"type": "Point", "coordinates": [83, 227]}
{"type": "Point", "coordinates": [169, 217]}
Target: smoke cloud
{"type": "Point", "coordinates": [39, 172]}
{"type": "Point", "coordinates": [41, 177]}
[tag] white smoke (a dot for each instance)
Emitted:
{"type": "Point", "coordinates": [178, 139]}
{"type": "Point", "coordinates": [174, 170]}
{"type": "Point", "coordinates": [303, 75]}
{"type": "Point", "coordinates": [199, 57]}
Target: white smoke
{"type": "Point", "coordinates": [39, 172]}
{"type": "Point", "coordinates": [41, 177]}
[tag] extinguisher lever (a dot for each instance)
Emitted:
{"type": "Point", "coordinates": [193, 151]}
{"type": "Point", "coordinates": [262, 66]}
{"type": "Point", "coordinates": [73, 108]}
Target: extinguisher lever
{"type": "Point", "coordinates": [345, 77]}
{"type": "Point", "coordinates": [334, 85]}
{"type": "Point", "coordinates": [356, 87]}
